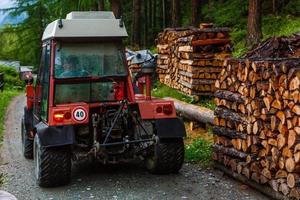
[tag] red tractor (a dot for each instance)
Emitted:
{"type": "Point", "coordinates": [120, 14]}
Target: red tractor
{"type": "Point", "coordinates": [83, 104]}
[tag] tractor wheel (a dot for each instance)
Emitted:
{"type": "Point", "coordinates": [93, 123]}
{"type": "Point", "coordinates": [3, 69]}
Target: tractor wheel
{"type": "Point", "coordinates": [27, 144]}
{"type": "Point", "coordinates": [52, 165]}
{"type": "Point", "coordinates": [167, 157]}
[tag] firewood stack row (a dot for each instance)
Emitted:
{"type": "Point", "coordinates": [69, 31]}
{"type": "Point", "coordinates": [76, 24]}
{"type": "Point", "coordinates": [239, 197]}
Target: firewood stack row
{"type": "Point", "coordinates": [191, 59]}
{"type": "Point", "coordinates": [133, 67]}
{"type": "Point", "coordinates": [257, 120]}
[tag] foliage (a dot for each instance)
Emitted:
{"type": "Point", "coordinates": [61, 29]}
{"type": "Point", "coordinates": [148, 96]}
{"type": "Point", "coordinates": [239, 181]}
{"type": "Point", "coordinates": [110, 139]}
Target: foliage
{"type": "Point", "coordinates": [22, 42]}
{"type": "Point", "coordinates": [11, 78]}
{"type": "Point", "coordinates": [199, 150]}
{"type": "Point", "coordinates": [5, 98]}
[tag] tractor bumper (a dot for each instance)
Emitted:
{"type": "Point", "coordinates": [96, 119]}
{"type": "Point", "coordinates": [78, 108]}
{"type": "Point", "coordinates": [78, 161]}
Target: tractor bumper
{"type": "Point", "coordinates": [170, 128]}
{"type": "Point", "coordinates": [52, 136]}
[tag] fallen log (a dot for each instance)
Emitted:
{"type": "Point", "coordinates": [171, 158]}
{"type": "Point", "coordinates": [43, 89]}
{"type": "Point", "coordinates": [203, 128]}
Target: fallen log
{"type": "Point", "coordinates": [193, 112]}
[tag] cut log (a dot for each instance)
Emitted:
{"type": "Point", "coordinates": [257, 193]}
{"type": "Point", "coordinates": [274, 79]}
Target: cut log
{"type": "Point", "coordinates": [230, 115]}
{"type": "Point", "coordinates": [295, 193]}
{"type": "Point", "coordinates": [228, 133]}
{"type": "Point", "coordinates": [230, 96]}
{"type": "Point", "coordinates": [230, 151]}
{"type": "Point", "coordinates": [290, 164]}
{"type": "Point", "coordinates": [293, 180]}
{"type": "Point", "coordinates": [283, 187]}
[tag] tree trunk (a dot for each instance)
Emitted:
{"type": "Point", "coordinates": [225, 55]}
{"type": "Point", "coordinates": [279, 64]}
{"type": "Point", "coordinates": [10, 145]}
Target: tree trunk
{"type": "Point", "coordinates": [175, 14]}
{"type": "Point", "coordinates": [100, 5]}
{"type": "Point", "coordinates": [116, 8]}
{"type": "Point", "coordinates": [136, 27]}
{"type": "Point", "coordinates": [195, 13]}
{"type": "Point", "coordinates": [274, 7]}
{"type": "Point", "coordinates": [145, 22]}
{"type": "Point", "coordinates": [164, 13]}
{"type": "Point", "coordinates": [254, 22]}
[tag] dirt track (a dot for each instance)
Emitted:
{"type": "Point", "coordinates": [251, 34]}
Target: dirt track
{"type": "Point", "coordinates": [126, 181]}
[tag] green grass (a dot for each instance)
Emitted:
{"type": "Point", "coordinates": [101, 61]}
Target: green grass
{"type": "Point", "coordinates": [162, 91]}
{"type": "Point", "coordinates": [5, 98]}
{"type": "Point", "coordinates": [200, 151]}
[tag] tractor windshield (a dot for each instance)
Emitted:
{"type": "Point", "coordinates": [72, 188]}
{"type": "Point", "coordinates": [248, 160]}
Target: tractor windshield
{"type": "Point", "coordinates": [75, 60]}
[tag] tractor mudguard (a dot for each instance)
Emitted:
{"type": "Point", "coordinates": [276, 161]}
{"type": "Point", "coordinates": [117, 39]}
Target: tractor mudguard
{"type": "Point", "coordinates": [170, 128]}
{"type": "Point", "coordinates": [52, 136]}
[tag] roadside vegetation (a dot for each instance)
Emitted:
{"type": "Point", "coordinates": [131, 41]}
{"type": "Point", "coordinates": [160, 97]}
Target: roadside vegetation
{"type": "Point", "coordinates": [199, 150]}
{"type": "Point", "coordinates": [12, 87]}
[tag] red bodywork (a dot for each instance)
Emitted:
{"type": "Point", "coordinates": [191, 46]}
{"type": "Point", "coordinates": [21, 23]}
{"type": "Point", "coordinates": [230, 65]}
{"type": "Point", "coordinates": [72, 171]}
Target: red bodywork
{"type": "Point", "coordinates": [63, 114]}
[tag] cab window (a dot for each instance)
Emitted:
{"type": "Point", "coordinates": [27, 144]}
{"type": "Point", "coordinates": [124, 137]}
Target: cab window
{"type": "Point", "coordinates": [88, 60]}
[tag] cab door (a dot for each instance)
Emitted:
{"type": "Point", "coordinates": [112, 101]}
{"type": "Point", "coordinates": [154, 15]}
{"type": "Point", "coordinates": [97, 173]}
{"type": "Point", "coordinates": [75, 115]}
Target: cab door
{"type": "Point", "coordinates": [42, 86]}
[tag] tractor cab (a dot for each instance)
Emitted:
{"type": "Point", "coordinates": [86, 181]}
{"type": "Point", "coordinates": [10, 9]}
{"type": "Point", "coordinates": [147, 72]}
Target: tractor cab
{"type": "Point", "coordinates": [82, 105]}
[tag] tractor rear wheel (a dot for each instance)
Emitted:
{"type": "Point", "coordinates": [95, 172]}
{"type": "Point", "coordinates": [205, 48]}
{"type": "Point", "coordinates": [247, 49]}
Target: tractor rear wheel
{"type": "Point", "coordinates": [52, 165]}
{"type": "Point", "coordinates": [168, 157]}
{"type": "Point", "coordinates": [27, 144]}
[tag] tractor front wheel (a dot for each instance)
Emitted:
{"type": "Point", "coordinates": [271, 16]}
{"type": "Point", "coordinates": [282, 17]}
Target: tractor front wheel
{"type": "Point", "coordinates": [27, 144]}
{"type": "Point", "coordinates": [52, 165]}
{"type": "Point", "coordinates": [167, 157]}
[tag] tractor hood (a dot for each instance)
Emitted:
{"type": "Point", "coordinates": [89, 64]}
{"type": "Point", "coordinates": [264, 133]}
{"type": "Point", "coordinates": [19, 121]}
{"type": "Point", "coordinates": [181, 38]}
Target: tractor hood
{"type": "Point", "coordinates": [90, 24]}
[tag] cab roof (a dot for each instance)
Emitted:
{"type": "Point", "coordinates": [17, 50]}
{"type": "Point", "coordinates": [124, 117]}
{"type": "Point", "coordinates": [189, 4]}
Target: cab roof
{"type": "Point", "coordinates": [91, 24]}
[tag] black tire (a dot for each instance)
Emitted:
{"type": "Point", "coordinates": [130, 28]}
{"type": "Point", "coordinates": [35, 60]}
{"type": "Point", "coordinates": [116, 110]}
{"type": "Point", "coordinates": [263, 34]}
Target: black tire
{"type": "Point", "coordinates": [27, 144]}
{"type": "Point", "coordinates": [168, 157]}
{"type": "Point", "coordinates": [52, 165]}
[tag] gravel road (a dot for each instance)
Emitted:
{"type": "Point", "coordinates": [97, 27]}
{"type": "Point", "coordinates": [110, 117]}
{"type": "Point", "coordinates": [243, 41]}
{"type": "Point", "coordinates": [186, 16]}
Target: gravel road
{"type": "Point", "coordinates": [126, 181]}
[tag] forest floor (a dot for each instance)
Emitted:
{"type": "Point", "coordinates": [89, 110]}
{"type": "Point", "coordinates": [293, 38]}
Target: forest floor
{"type": "Point", "coordinates": [124, 181]}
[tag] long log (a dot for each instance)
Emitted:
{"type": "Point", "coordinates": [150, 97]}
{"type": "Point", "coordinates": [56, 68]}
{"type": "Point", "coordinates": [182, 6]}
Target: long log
{"type": "Point", "coordinates": [230, 151]}
{"type": "Point", "coordinates": [210, 42]}
{"type": "Point", "coordinates": [230, 96]}
{"type": "Point", "coordinates": [193, 112]}
{"type": "Point", "coordinates": [229, 115]}
{"type": "Point", "coordinates": [217, 130]}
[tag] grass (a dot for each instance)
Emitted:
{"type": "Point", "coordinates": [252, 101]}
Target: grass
{"type": "Point", "coordinates": [162, 91]}
{"type": "Point", "coordinates": [5, 98]}
{"type": "Point", "coordinates": [199, 150]}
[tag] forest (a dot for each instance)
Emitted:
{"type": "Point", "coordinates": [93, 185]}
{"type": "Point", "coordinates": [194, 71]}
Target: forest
{"type": "Point", "coordinates": [144, 19]}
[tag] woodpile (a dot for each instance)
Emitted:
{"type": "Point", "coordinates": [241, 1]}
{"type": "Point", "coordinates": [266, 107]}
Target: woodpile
{"type": "Point", "coordinates": [191, 59]}
{"type": "Point", "coordinates": [277, 47]}
{"type": "Point", "coordinates": [257, 120]}
{"type": "Point", "coordinates": [134, 68]}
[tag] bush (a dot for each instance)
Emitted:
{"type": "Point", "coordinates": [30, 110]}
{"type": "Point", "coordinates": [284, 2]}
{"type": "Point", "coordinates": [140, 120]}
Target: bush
{"type": "Point", "coordinates": [11, 78]}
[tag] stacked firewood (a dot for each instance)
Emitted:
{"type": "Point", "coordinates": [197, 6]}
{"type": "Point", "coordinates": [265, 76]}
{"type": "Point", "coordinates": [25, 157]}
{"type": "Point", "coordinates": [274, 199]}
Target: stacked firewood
{"type": "Point", "coordinates": [191, 59]}
{"type": "Point", "coordinates": [257, 121]}
{"type": "Point", "coordinates": [133, 67]}
{"type": "Point", "coordinates": [279, 47]}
